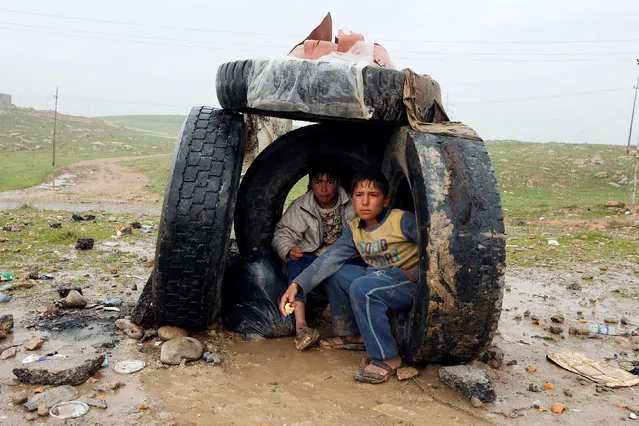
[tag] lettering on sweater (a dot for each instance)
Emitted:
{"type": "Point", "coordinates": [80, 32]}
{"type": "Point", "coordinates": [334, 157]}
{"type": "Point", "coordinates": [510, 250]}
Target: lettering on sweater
{"type": "Point", "coordinates": [377, 254]}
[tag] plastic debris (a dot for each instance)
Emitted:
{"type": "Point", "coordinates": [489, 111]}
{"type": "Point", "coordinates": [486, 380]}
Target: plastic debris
{"type": "Point", "coordinates": [113, 301]}
{"type": "Point", "coordinates": [39, 358]}
{"type": "Point", "coordinates": [5, 276]}
{"type": "Point", "coordinates": [4, 298]}
{"type": "Point", "coordinates": [69, 410]}
{"type": "Point", "coordinates": [5, 287]}
{"type": "Point", "coordinates": [129, 366]}
{"type": "Point", "coordinates": [610, 330]}
{"type": "Point", "coordinates": [45, 277]}
{"type": "Point", "coordinates": [553, 243]}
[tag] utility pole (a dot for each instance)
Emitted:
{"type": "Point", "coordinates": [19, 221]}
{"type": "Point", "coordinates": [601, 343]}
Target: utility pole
{"type": "Point", "coordinates": [55, 119]}
{"type": "Point", "coordinates": [632, 116]}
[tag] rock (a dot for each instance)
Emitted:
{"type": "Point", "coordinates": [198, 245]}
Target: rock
{"type": "Point", "coordinates": [610, 320]}
{"type": "Point", "coordinates": [108, 387]}
{"type": "Point", "coordinates": [572, 330]}
{"type": "Point", "coordinates": [583, 332]}
{"type": "Point", "coordinates": [405, 373]}
{"type": "Point", "coordinates": [75, 300]}
{"type": "Point", "coordinates": [527, 313]}
{"type": "Point", "coordinates": [624, 321]}
{"type": "Point", "coordinates": [574, 286]}
{"type": "Point", "coordinates": [534, 317]}
{"type": "Point", "coordinates": [8, 353]}
{"type": "Point", "coordinates": [533, 387]}
{"type": "Point", "coordinates": [6, 325]}
{"type": "Point", "coordinates": [215, 359]}
{"type": "Point", "coordinates": [475, 402]}
{"type": "Point", "coordinates": [169, 332]}
{"type": "Point", "coordinates": [518, 317]}
{"type": "Point", "coordinates": [568, 392]}
{"type": "Point", "coordinates": [558, 318]}
{"type": "Point", "coordinates": [56, 225]}
{"type": "Point", "coordinates": [33, 343]}
{"type": "Point", "coordinates": [619, 204]}
{"type": "Point", "coordinates": [470, 381]}
{"type": "Point", "coordinates": [84, 243]}
{"type": "Point", "coordinates": [62, 371]}
{"type": "Point", "coordinates": [556, 329]}
{"type": "Point", "coordinates": [30, 417]}
{"type": "Point", "coordinates": [132, 330]}
{"type": "Point", "coordinates": [511, 362]}
{"type": "Point", "coordinates": [43, 411]}
{"type": "Point", "coordinates": [493, 356]}
{"type": "Point", "coordinates": [96, 402]}
{"type": "Point", "coordinates": [601, 175]}
{"type": "Point", "coordinates": [19, 398]}
{"type": "Point", "coordinates": [51, 397]}
{"type": "Point", "coordinates": [174, 350]}
{"type": "Point", "coordinates": [77, 218]}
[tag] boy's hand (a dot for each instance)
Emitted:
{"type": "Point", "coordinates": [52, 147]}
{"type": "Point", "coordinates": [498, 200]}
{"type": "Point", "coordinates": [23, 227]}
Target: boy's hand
{"type": "Point", "coordinates": [296, 253]}
{"type": "Point", "coordinates": [288, 297]}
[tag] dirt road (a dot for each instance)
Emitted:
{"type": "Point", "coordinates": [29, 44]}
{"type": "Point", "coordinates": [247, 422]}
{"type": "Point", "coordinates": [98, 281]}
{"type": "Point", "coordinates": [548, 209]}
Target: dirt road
{"type": "Point", "coordinates": [101, 184]}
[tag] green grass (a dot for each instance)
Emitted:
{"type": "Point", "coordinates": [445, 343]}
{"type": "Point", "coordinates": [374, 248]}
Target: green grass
{"type": "Point", "coordinates": [37, 246]}
{"type": "Point", "coordinates": [154, 168]}
{"type": "Point", "coordinates": [26, 144]}
{"type": "Point", "coordinates": [168, 125]}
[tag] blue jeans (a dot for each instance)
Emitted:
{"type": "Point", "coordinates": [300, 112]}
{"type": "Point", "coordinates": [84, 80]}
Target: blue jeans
{"type": "Point", "coordinates": [360, 298]}
{"type": "Point", "coordinates": [295, 267]}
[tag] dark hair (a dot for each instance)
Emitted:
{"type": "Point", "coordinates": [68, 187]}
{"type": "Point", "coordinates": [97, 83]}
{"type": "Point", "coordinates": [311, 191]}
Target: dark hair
{"type": "Point", "coordinates": [375, 177]}
{"type": "Point", "coordinates": [325, 167]}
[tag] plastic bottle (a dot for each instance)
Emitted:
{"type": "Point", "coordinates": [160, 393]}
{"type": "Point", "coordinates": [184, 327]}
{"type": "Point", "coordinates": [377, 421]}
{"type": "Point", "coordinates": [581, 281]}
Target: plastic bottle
{"type": "Point", "coordinates": [610, 330]}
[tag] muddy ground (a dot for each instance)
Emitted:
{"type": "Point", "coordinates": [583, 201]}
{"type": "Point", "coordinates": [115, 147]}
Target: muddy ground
{"type": "Point", "coordinates": [269, 382]}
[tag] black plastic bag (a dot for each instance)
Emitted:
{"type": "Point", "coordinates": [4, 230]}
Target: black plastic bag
{"type": "Point", "coordinates": [250, 298]}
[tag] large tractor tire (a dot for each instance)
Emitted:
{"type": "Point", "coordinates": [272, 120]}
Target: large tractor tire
{"type": "Point", "coordinates": [382, 91]}
{"type": "Point", "coordinates": [450, 184]}
{"type": "Point", "coordinates": [197, 217]}
{"type": "Point", "coordinates": [273, 173]}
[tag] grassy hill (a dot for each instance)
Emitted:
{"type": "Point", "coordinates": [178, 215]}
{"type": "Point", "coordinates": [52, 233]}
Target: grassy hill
{"type": "Point", "coordinates": [533, 177]}
{"type": "Point", "coordinates": [167, 125]}
{"type": "Point", "coordinates": [26, 144]}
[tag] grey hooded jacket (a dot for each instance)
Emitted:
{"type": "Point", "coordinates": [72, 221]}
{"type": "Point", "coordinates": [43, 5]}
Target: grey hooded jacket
{"type": "Point", "coordinates": [301, 224]}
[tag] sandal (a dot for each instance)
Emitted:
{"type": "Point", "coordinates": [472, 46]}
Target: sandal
{"type": "Point", "coordinates": [342, 342]}
{"type": "Point", "coordinates": [375, 378]}
{"type": "Point", "coordinates": [305, 338]}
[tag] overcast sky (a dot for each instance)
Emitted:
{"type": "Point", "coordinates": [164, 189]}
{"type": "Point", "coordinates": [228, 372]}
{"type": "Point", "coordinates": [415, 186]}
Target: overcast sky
{"type": "Point", "coordinates": [559, 70]}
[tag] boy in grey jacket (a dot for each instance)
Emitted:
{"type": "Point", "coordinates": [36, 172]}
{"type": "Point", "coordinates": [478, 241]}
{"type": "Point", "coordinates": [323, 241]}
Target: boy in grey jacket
{"type": "Point", "coordinates": [310, 225]}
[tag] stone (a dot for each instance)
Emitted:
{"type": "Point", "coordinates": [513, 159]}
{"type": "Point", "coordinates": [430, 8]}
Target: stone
{"type": "Point", "coordinates": [557, 318]}
{"type": "Point", "coordinates": [6, 325]}
{"type": "Point", "coordinates": [174, 350]}
{"type": "Point", "coordinates": [610, 320]}
{"type": "Point", "coordinates": [406, 373]}
{"type": "Point", "coordinates": [572, 330]}
{"type": "Point", "coordinates": [624, 321]}
{"type": "Point", "coordinates": [8, 353]}
{"type": "Point", "coordinates": [619, 204]}
{"type": "Point", "coordinates": [475, 402]}
{"type": "Point", "coordinates": [30, 417]}
{"type": "Point", "coordinates": [574, 286]}
{"type": "Point", "coordinates": [75, 300]}
{"type": "Point", "coordinates": [470, 381]}
{"type": "Point", "coordinates": [526, 313]}
{"type": "Point", "coordinates": [583, 332]}
{"type": "Point", "coordinates": [84, 243]}
{"type": "Point", "coordinates": [96, 402]}
{"type": "Point", "coordinates": [55, 225]}
{"type": "Point", "coordinates": [534, 317]}
{"type": "Point", "coordinates": [73, 370]}
{"type": "Point", "coordinates": [43, 411]}
{"type": "Point", "coordinates": [51, 397]}
{"type": "Point", "coordinates": [132, 330]}
{"type": "Point", "coordinates": [556, 329]}
{"type": "Point", "coordinates": [533, 387]}
{"type": "Point", "coordinates": [169, 332]}
{"type": "Point", "coordinates": [33, 343]}
{"type": "Point", "coordinates": [493, 356]}
{"type": "Point", "coordinates": [19, 398]}
{"type": "Point", "coordinates": [568, 392]}
{"type": "Point", "coordinates": [511, 362]}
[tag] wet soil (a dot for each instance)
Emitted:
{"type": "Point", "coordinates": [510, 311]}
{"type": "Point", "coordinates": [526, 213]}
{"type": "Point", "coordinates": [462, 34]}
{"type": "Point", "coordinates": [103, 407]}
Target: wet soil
{"type": "Point", "coordinates": [270, 382]}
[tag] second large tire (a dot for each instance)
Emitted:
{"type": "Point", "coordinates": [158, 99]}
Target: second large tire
{"type": "Point", "coordinates": [450, 184]}
{"type": "Point", "coordinates": [197, 217]}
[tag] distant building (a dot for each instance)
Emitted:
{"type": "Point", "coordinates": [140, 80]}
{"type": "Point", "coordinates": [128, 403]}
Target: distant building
{"type": "Point", "coordinates": [5, 99]}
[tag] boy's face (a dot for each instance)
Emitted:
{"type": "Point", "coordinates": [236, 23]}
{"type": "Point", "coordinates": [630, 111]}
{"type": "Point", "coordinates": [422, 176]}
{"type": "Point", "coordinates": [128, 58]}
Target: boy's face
{"type": "Point", "coordinates": [368, 200]}
{"type": "Point", "coordinates": [324, 189]}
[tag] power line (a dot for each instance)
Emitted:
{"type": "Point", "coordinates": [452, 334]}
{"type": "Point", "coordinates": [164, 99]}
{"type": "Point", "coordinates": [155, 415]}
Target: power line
{"type": "Point", "coordinates": [561, 95]}
{"type": "Point", "coordinates": [412, 41]}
